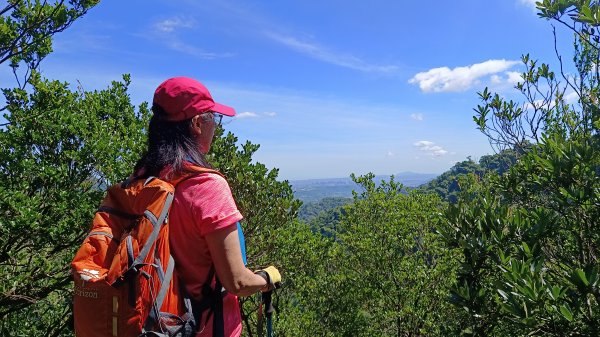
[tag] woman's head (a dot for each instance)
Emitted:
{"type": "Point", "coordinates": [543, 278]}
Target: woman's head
{"type": "Point", "coordinates": [183, 97]}
{"type": "Point", "coordinates": [182, 126]}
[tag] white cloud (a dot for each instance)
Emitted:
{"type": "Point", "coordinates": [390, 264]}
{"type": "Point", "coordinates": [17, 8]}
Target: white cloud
{"type": "Point", "coordinates": [430, 148]}
{"type": "Point", "coordinates": [416, 117]}
{"type": "Point", "coordinates": [167, 31]}
{"type": "Point", "coordinates": [249, 114]}
{"type": "Point", "coordinates": [508, 80]}
{"type": "Point", "coordinates": [246, 114]}
{"type": "Point", "coordinates": [391, 154]}
{"type": "Point", "coordinates": [444, 79]}
{"type": "Point", "coordinates": [571, 97]}
{"type": "Point", "coordinates": [170, 25]}
{"type": "Point", "coordinates": [189, 49]}
{"type": "Point", "coordinates": [514, 77]}
{"type": "Point", "coordinates": [323, 54]}
{"type": "Point", "coordinates": [538, 104]}
{"type": "Point", "coordinates": [530, 3]}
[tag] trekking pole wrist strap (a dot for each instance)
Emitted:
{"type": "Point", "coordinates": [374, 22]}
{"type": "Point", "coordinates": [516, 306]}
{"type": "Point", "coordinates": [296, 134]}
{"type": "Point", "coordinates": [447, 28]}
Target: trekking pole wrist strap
{"type": "Point", "coordinates": [264, 275]}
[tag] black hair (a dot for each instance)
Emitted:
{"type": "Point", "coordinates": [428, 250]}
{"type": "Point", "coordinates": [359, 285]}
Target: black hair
{"type": "Point", "coordinates": [169, 144]}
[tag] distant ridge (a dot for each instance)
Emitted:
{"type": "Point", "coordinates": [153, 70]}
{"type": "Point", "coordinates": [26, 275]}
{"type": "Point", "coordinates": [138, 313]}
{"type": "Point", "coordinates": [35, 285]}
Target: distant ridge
{"type": "Point", "coordinates": [313, 190]}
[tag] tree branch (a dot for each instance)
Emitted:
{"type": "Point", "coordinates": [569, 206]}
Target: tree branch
{"type": "Point", "coordinates": [8, 8]}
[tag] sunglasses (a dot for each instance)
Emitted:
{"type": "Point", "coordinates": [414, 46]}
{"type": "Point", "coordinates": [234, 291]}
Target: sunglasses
{"type": "Point", "coordinates": [217, 118]}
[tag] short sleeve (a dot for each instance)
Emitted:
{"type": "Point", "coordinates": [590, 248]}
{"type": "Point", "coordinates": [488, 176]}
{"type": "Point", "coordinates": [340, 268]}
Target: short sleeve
{"type": "Point", "coordinates": [211, 202]}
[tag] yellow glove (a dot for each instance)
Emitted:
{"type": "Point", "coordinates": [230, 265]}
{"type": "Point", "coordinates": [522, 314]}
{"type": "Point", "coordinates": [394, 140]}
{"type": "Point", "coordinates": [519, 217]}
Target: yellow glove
{"type": "Point", "coordinates": [272, 276]}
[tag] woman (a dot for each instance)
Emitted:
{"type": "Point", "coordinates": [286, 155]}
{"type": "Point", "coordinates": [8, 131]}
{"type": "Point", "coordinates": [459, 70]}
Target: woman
{"type": "Point", "coordinates": [204, 218]}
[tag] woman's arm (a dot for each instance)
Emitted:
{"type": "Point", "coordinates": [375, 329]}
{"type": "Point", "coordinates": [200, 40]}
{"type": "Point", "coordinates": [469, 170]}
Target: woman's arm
{"type": "Point", "coordinates": [224, 247]}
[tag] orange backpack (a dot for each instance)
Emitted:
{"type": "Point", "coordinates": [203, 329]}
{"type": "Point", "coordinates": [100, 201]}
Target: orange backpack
{"type": "Point", "coordinates": [125, 284]}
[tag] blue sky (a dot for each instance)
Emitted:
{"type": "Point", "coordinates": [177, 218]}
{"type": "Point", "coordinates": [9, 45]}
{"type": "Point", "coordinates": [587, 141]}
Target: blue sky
{"type": "Point", "coordinates": [329, 87]}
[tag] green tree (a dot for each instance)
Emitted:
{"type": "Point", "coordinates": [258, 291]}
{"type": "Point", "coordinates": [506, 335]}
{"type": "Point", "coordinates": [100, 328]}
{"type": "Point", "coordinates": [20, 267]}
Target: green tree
{"type": "Point", "coordinates": [447, 185]}
{"type": "Point", "coordinates": [383, 271]}
{"type": "Point", "coordinates": [310, 210]}
{"type": "Point", "coordinates": [398, 270]}
{"type": "Point", "coordinates": [317, 298]}
{"type": "Point", "coordinates": [58, 152]}
{"type": "Point", "coordinates": [475, 227]}
{"type": "Point", "coordinates": [529, 238]}
{"type": "Point", "coordinates": [27, 28]}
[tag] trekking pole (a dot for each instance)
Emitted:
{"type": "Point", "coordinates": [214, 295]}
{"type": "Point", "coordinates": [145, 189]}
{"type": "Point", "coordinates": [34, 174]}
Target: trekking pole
{"type": "Point", "coordinates": [259, 325]}
{"type": "Point", "coordinates": [269, 312]}
{"type": "Point", "coordinates": [266, 303]}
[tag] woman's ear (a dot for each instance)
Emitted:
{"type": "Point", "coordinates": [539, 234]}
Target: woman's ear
{"type": "Point", "coordinates": [196, 125]}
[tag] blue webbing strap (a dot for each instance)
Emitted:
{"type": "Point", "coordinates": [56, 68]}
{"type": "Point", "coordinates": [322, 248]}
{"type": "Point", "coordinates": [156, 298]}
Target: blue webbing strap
{"type": "Point", "coordinates": [242, 242]}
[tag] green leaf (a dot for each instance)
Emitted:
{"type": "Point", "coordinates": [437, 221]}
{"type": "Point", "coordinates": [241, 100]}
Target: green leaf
{"type": "Point", "coordinates": [566, 312]}
{"type": "Point", "coordinates": [555, 292]}
{"type": "Point", "coordinates": [582, 277]}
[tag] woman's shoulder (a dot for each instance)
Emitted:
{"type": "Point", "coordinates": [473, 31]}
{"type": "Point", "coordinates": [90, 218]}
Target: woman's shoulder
{"type": "Point", "coordinates": [206, 191]}
{"type": "Point", "coordinates": [204, 181]}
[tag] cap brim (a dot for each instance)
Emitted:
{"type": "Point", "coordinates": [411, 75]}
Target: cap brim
{"type": "Point", "coordinates": [223, 110]}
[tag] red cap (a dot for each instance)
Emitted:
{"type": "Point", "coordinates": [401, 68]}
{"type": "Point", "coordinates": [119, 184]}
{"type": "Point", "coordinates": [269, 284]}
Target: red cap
{"type": "Point", "coordinates": [183, 97]}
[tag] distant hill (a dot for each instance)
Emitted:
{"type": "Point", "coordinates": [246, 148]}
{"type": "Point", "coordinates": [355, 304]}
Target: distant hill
{"type": "Point", "coordinates": [323, 199]}
{"type": "Point", "coordinates": [314, 190]}
{"type": "Point", "coordinates": [446, 184]}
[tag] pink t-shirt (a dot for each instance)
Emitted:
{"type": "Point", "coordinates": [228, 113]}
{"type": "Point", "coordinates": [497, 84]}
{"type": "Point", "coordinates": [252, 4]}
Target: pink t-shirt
{"type": "Point", "coordinates": [202, 204]}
